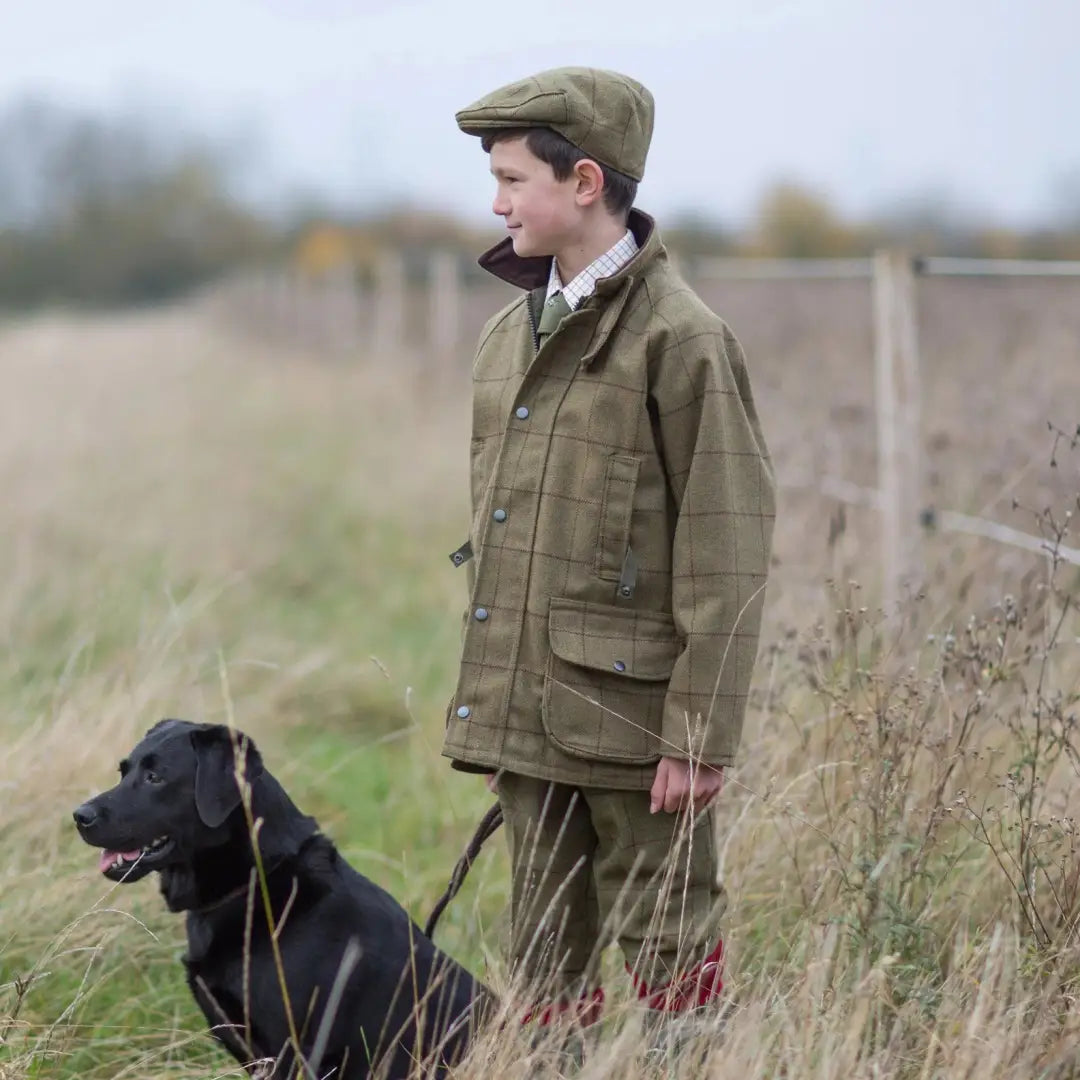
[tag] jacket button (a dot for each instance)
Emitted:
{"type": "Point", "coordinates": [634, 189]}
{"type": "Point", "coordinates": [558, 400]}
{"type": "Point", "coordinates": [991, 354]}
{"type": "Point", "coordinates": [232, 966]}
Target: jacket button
{"type": "Point", "coordinates": [463, 712]}
{"type": "Point", "coordinates": [620, 665]}
{"type": "Point", "coordinates": [481, 614]}
{"type": "Point", "coordinates": [499, 515]}
{"type": "Point", "coordinates": [522, 412]}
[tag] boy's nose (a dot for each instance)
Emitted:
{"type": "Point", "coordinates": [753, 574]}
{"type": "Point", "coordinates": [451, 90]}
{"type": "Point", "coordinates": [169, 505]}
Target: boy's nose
{"type": "Point", "coordinates": [500, 206]}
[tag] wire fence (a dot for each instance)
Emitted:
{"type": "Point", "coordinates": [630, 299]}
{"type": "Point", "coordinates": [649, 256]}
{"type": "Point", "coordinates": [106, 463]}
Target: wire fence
{"type": "Point", "coordinates": [408, 309]}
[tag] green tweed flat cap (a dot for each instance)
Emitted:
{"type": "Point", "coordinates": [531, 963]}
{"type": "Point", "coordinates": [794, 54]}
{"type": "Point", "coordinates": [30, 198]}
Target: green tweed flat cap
{"type": "Point", "coordinates": [606, 115]}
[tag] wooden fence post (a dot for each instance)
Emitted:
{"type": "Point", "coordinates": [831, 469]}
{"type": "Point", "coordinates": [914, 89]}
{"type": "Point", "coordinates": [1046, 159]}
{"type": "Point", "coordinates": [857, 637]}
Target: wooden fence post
{"type": "Point", "coordinates": [899, 427]}
{"type": "Point", "coordinates": [340, 322]}
{"type": "Point", "coordinates": [389, 303]}
{"type": "Point", "coordinates": [445, 318]}
{"type": "Point", "coordinates": [911, 445]}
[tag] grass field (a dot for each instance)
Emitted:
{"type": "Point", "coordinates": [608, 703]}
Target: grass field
{"type": "Point", "coordinates": [201, 524]}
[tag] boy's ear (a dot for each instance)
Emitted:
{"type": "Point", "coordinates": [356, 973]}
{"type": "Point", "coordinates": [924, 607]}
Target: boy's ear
{"type": "Point", "coordinates": [590, 181]}
{"type": "Point", "coordinates": [218, 752]}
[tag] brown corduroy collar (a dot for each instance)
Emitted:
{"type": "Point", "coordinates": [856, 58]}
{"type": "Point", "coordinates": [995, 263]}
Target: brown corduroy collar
{"type": "Point", "coordinates": [533, 272]}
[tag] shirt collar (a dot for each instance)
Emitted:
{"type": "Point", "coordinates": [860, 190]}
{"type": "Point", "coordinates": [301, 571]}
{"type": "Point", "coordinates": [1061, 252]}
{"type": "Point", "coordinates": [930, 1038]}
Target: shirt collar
{"type": "Point", "coordinates": [583, 284]}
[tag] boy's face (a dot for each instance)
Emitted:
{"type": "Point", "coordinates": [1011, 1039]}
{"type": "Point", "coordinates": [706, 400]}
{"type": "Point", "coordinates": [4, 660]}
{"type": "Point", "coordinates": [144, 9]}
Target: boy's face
{"type": "Point", "coordinates": [541, 213]}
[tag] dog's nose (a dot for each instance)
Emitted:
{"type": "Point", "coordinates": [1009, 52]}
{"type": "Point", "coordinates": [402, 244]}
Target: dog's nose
{"type": "Point", "coordinates": [85, 815]}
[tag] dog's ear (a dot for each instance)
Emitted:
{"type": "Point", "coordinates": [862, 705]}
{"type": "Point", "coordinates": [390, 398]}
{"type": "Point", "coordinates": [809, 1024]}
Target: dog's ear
{"type": "Point", "coordinates": [218, 752]}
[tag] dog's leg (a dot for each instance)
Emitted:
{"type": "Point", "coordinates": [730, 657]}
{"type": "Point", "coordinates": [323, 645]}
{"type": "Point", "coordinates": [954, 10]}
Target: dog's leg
{"type": "Point", "coordinates": [223, 1028]}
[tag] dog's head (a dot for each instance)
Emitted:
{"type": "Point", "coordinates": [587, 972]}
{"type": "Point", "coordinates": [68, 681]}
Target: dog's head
{"type": "Point", "coordinates": [179, 790]}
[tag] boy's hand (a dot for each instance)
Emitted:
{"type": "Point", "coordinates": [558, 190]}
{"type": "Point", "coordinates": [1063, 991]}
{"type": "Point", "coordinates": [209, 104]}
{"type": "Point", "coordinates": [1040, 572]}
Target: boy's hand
{"type": "Point", "coordinates": [674, 777]}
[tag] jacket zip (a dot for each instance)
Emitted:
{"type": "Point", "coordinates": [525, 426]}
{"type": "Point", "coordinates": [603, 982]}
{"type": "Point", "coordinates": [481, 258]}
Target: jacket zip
{"type": "Point", "coordinates": [532, 323]}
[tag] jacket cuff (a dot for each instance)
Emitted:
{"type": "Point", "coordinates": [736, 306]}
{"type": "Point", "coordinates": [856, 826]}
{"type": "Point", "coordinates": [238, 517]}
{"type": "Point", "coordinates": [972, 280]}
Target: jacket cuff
{"type": "Point", "coordinates": [686, 735]}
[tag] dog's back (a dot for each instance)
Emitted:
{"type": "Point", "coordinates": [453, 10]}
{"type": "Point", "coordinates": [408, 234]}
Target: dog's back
{"type": "Point", "coordinates": [366, 989]}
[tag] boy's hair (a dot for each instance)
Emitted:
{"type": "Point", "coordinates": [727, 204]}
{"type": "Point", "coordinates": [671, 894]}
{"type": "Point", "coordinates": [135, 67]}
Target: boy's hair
{"type": "Point", "coordinates": [552, 149]}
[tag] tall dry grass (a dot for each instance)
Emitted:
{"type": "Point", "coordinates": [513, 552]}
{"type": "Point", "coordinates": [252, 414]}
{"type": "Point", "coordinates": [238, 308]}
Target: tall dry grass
{"type": "Point", "coordinates": [195, 523]}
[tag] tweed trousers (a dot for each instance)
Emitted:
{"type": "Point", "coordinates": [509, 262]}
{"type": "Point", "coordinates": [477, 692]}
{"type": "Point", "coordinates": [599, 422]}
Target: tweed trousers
{"type": "Point", "coordinates": [591, 866]}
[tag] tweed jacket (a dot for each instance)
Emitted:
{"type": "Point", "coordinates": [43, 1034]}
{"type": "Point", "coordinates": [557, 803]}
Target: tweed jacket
{"type": "Point", "coordinates": [622, 517]}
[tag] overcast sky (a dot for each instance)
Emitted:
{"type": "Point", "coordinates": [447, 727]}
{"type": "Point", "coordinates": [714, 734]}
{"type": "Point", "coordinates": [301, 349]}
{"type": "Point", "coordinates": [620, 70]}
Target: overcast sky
{"type": "Point", "coordinates": [869, 100]}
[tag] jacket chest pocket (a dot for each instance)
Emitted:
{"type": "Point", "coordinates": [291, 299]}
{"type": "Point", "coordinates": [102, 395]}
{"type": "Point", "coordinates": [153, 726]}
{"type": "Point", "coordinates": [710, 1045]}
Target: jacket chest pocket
{"type": "Point", "coordinates": [607, 679]}
{"type": "Point", "coordinates": [616, 511]}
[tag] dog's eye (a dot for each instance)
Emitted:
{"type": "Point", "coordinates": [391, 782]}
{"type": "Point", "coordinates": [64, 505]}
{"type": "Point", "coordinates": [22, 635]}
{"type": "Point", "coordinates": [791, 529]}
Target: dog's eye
{"type": "Point", "coordinates": [153, 778]}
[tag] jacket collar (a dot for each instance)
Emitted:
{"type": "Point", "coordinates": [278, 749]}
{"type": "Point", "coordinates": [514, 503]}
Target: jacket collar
{"type": "Point", "coordinates": [533, 273]}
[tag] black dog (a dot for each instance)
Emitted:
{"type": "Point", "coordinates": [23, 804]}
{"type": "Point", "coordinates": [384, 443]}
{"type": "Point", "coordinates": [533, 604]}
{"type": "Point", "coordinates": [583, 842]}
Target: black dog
{"type": "Point", "coordinates": [367, 992]}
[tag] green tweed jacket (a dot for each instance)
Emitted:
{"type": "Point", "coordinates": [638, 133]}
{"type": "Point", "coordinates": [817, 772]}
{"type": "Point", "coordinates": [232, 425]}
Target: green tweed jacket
{"type": "Point", "coordinates": [622, 517]}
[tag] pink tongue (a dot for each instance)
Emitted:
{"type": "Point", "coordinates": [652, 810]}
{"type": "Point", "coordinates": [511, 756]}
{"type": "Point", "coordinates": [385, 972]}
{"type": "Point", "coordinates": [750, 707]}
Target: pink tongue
{"type": "Point", "coordinates": [109, 857]}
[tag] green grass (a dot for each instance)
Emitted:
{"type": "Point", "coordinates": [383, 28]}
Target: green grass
{"type": "Point", "coordinates": [342, 679]}
{"type": "Point", "coordinates": [246, 560]}
{"type": "Point", "coordinates": [214, 535]}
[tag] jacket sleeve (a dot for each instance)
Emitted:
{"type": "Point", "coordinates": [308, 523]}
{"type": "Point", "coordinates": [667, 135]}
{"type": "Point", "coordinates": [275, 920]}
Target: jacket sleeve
{"type": "Point", "coordinates": [722, 486]}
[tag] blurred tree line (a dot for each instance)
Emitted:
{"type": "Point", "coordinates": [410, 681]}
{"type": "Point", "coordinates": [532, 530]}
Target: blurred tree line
{"type": "Point", "coordinates": [101, 210]}
{"type": "Point", "coordinates": [109, 211]}
{"type": "Point", "coordinates": [793, 221]}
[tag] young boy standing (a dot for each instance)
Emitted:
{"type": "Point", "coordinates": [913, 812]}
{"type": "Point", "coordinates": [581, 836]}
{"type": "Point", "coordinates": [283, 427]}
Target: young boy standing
{"type": "Point", "coordinates": [623, 507]}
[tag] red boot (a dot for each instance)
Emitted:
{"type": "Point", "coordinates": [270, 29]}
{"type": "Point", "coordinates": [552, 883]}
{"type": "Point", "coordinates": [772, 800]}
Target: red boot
{"type": "Point", "coordinates": [698, 987]}
{"type": "Point", "coordinates": [586, 1010]}
{"type": "Point", "coordinates": [559, 1028]}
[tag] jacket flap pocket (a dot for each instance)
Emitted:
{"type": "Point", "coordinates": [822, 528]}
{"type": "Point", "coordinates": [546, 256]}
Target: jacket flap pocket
{"type": "Point", "coordinates": [637, 644]}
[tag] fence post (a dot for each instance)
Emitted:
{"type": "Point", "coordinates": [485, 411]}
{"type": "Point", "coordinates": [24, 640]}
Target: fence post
{"type": "Point", "coordinates": [445, 328]}
{"type": "Point", "coordinates": [911, 444]}
{"type": "Point", "coordinates": [389, 302]}
{"type": "Point", "coordinates": [899, 427]}
{"type": "Point", "coordinates": [341, 321]}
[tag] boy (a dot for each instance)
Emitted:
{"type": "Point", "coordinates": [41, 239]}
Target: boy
{"type": "Point", "coordinates": [622, 499]}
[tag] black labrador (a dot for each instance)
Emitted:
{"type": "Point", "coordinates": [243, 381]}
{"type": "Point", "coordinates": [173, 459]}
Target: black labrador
{"type": "Point", "coordinates": [367, 993]}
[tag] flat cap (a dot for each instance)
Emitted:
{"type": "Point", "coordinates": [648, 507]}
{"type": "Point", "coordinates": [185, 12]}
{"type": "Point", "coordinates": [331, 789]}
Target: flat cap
{"type": "Point", "coordinates": [607, 116]}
